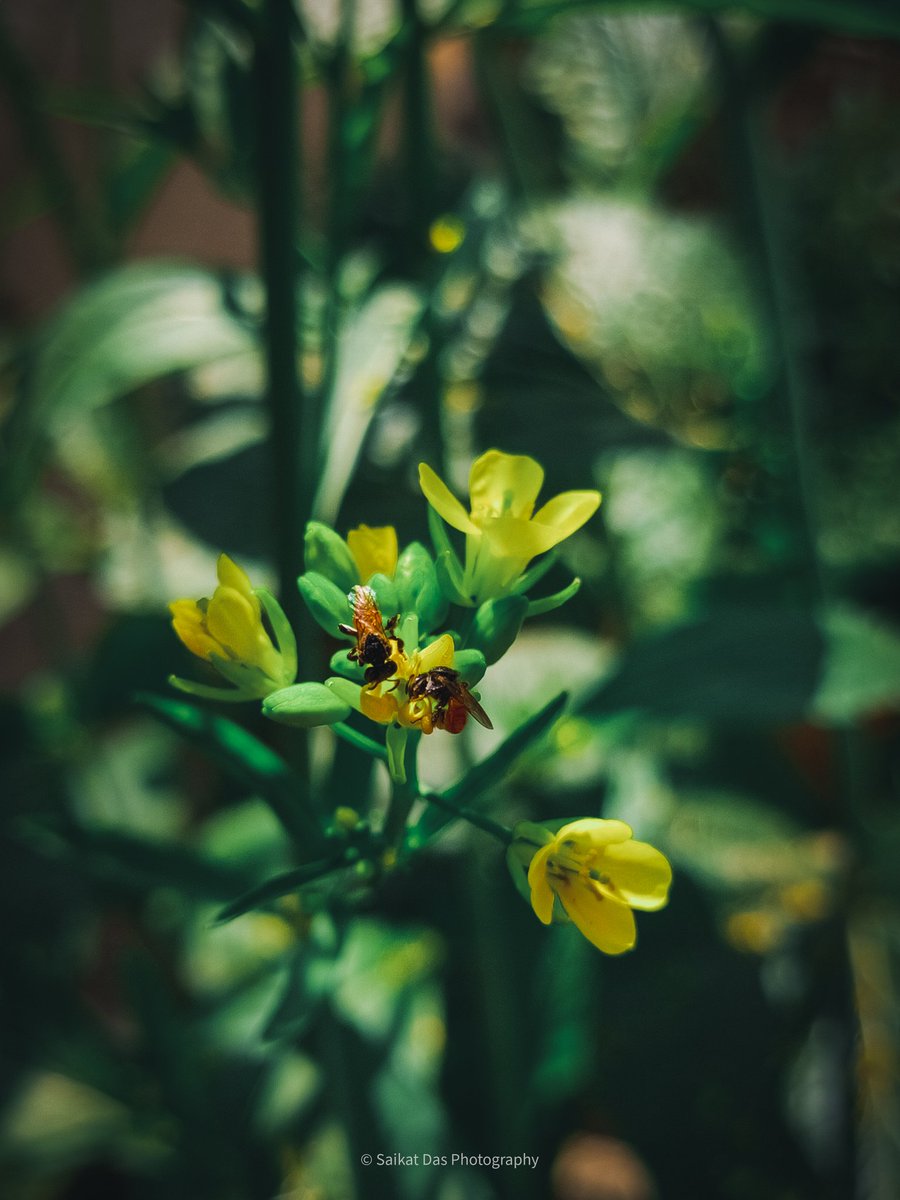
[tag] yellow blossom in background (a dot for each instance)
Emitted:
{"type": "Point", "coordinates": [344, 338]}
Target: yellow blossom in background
{"type": "Point", "coordinates": [374, 550]}
{"type": "Point", "coordinates": [228, 632]}
{"type": "Point", "coordinates": [598, 873]}
{"type": "Point", "coordinates": [503, 532]}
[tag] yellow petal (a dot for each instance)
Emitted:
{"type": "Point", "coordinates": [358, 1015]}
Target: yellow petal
{"type": "Point", "coordinates": [442, 500]}
{"type": "Point", "coordinates": [188, 623]}
{"type": "Point", "coordinates": [607, 924]}
{"type": "Point", "coordinates": [231, 575]}
{"type": "Point", "coordinates": [438, 654]}
{"type": "Point", "coordinates": [565, 513]}
{"type": "Point", "coordinates": [376, 707]}
{"type": "Point", "coordinates": [516, 538]}
{"type": "Point", "coordinates": [640, 874]}
{"type": "Point", "coordinates": [541, 892]}
{"type": "Point", "coordinates": [233, 621]}
{"type": "Point", "coordinates": [374, 550]}
{"type": "Point", "coordinates": [504, 484]}
{"type": "Point", "coordinates": [592, 833]}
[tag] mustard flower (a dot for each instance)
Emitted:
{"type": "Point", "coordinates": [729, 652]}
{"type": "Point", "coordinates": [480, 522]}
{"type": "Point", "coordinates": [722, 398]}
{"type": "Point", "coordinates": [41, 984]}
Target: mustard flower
{"type": "Point", "coordinates": [374, 550]}
{"type": "Point", "coordinates": [503, 532]}
{"type": "Point", "coordinates": [227, 631]}
{"type": "Point", "coordinates": [597, 872]}
{"type": "Point", "coordinates": [401, 699]}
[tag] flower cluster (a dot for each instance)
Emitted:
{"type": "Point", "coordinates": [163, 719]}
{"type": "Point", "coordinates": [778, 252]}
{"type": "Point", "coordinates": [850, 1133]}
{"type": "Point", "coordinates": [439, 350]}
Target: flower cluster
{"type": "Point", "coordinates": [402, 670]}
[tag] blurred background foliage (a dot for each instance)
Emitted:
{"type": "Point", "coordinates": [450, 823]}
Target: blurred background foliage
{"type": "Point", "coordinates": [657, 247]}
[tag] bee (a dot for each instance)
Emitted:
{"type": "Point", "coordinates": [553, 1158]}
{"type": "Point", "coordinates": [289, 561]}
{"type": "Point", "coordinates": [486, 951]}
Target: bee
{"type": "Point", "coordinates": [453, 702]}
{"type": "Point", "coordinates": [373, 647]}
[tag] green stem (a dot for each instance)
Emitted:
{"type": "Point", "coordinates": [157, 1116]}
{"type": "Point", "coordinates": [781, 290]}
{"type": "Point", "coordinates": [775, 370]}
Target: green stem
{"type": "Point", "coordinates": [359, 740]}
{"type": "Point", "coordinates": [293, 438]}
{"type": "Point", "coordinates": [404, 795]}
{"type": "Point", "coordinates": [501, 832]}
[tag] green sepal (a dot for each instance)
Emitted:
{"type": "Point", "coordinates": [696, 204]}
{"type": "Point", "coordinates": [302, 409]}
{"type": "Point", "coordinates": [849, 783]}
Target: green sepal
{"type": "Point", "coordinates": [471, 665]}
{"type": "Point", "coordinates": [448, 568]}
{"type": "Point", "coordinates": [327, 603]}
{"type": "Point", "coordinates": [547, 603]}
{"type": "Point", "coordinates": [536, 573]}
{"type": "Point", "coordinates": [385, 595]}
{"type": "Point", "coordinates": [285, 642]}
{"type": "Point", "coordinates": [417, 586]}
{"type": "Point", "coordinates": [347, 668]}
{"type": "Point", "coordinates": [305, 705]}
{"type": "Point", "coordinates": [395, 741]}
{"type": "Point", "coordinates": [326, 553]}
{"type": "Point", "coordinates": [208, 691]}
{"type": "Point", "coordinates": [496, 626]}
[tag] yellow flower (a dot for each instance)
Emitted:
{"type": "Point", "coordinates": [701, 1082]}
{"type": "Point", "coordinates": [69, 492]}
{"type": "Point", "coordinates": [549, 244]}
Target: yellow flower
{"type": "Point", "coordinates": [374, 550]}
{"type": "Point", "coordinates": [503, 532]}
{"type": "Point", "coordinates": [227, 630]}
{"type": "Point", "coordinates": [390, 701]}
{"type": "Point", "coordinates": [599, 874]}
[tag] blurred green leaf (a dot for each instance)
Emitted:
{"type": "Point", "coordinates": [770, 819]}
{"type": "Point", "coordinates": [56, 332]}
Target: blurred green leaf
{"type": "Point", "coordinates": [244, 756]}
{"type": "Point", "coordinates": [861, 672]}
{"type": "Point", "coordinates": [851, 16]}
{"type": "Point", "coordinates": [136, 323]}
{"type": "Point", "coordinates": [740, 664]}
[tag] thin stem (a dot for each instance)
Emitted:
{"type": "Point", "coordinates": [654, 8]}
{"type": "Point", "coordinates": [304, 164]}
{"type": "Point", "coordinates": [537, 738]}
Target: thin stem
{"type": "Point", "coordinates": [501, 832]}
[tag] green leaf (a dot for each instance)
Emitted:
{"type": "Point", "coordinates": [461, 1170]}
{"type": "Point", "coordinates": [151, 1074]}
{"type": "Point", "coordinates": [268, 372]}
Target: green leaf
{"type": "Point", "coordinates": [276, 887]}
{"type": "Point", "coordinates": [141, 863]}
{"type": "Point", "coordinates": [296, 1006]}
{"type": "Point", "coordinates": [861, 671]}
{"type": "Point", "coordinates": [739, 664]}
{"type": "Point", "coordinates": [244, 756]}
{"type": "Point", "coordinates": [488, 773]}
{"type": "Point", "coordinates": [135, 324]}
{"type": "Point", "coordinates": [305, 705]}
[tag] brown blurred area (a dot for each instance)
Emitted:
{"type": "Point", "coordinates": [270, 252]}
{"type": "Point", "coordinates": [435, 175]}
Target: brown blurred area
{"type": "Point", "coordinates": [92, 49]}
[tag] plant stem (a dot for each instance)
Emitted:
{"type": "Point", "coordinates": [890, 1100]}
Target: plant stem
{"type": "Point", "coordinates": [278, 155]}
{"type": "Point", "coordinates": [501, 832]}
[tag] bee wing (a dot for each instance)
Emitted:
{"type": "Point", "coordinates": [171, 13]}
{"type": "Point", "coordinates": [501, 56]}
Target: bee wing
{"type": "Point", "coordinates": [471, 705]}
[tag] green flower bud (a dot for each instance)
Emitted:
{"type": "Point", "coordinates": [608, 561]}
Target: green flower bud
{"type": "Point", "coordinates": [326, 553]}
{"type": "Point", "coordinates": [418, 588]}
{"type": "Point", "coordinates": [305, 705]}
{"type": "Point", "coordinates": [496, 626]}
{"type": "Point", "coordinates": [386, 595]}
{"type": "Point", "coordinates": [325, 600]}
{"type": "Point", "coordinates": [471, 665]}
{"type": "Point", "coordinates": [342, 665]}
